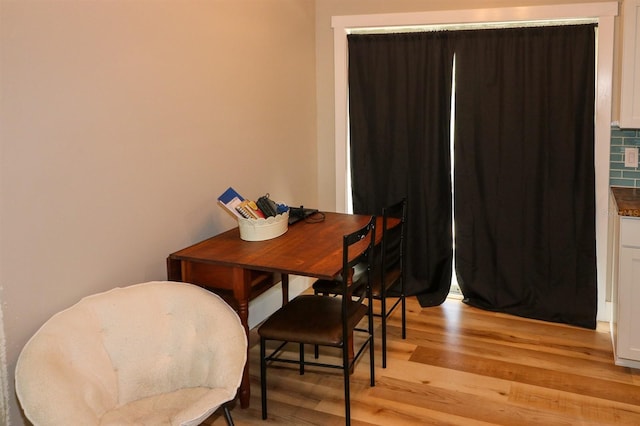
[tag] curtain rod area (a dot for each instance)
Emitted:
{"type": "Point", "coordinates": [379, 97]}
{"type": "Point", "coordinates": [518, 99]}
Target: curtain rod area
{"type": "Point", "coordinates": [470, 26]}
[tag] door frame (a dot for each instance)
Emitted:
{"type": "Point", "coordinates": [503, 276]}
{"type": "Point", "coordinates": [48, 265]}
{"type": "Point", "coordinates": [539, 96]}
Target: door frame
{"type": "Point", "coordinates": [603, 13]}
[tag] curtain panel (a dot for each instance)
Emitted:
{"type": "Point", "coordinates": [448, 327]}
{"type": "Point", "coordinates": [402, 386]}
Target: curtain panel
{"type": "Point", "coordinates": [400, 115]}
{"type": "Point", "coordinates": [524, 167]}
{"type": "Point", "coordinates": [524, 171]}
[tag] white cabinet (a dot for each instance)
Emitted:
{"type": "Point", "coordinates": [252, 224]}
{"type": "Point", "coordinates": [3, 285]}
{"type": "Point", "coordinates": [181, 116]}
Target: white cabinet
{"type": "Point", "coordinates": [630, 85]}
{"type": "Point", "coordinates": [627, 312]}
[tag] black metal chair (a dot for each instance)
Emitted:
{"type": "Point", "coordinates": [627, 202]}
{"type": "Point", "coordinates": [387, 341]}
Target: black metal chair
{"type": "Point", "coordinates": [327, 321]}
{"type": "Point", "coordinates": [388, 278]}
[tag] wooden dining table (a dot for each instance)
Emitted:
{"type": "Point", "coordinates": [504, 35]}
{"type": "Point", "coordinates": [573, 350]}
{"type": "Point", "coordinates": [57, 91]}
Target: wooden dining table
{"type": "Point", "coordinates": [241, 270]}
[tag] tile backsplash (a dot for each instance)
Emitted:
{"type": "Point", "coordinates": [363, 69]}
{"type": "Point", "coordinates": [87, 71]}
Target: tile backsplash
{"type": "Point", "coordinates": [619, 175]}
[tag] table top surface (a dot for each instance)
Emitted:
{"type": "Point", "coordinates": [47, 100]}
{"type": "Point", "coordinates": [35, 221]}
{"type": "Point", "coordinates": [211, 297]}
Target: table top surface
{"type": "Point", "coordinates": [307, 248]}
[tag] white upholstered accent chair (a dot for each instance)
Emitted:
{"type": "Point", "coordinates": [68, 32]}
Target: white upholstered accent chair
{"type": "Point", "coordinates": [157, 353]}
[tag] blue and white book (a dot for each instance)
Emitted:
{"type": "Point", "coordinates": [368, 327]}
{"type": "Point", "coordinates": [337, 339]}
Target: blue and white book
{"type": "Point", "coordinates": [230, 199]}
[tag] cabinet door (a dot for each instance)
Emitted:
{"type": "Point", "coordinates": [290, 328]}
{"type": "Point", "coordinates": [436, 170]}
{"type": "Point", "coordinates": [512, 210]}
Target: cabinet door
{"type": "Point", "coordinates": [630, 86]}
{"type": "Point", "coordinates": [629, 304]}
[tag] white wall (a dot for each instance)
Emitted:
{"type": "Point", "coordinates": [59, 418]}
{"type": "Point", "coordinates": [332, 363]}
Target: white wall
{"type": "Point", "coordinates": [122, 121]}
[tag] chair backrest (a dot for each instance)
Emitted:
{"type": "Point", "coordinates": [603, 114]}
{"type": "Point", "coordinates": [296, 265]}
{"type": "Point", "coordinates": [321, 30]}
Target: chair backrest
{"type": "Point", "coordinates": [126, 344]}
{"type": "Point", "coordinates": [357, 249]}
{"type": "Point", "coordinates": [393, 244]}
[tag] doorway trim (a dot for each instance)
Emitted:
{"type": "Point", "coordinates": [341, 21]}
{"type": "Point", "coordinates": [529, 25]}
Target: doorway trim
{"type": "Point", "coordinates": [603, 13]}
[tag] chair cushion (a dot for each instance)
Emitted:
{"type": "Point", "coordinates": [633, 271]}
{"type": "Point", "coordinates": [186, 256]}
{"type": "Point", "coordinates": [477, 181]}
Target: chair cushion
{"type": "Point", "coordinates": [311, 319]}
{"type": "Point", "coordinates": [335, 286]}
{"type": "Point", "coordinates": [392, 277]}
{"type": "Point", "coordinates": [167, 346]}
{"type": "Point", "coordinates": [327, 287]}
{"type": "Point", "coordinates": [189, 406]}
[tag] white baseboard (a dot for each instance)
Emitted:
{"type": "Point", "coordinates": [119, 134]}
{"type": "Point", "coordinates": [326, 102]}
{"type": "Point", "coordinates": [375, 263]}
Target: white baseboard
{"type": "Point", "coordinates": [264, 305]}
{"type": "Point", "coordinates": [604, 314]}
{"type": "Point", "coordinates": [623, 362]}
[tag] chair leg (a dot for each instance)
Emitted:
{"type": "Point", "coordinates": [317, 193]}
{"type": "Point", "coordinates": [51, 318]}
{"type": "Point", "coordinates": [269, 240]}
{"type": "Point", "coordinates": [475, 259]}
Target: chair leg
{"type": "Point", "coordinates": [347, 397]}
{"type": "Point", "coordinates": [301, 359]}
{"type": "Point", "coordinates": [227, 415]}
{"type": "Point", "coordinates": [263, 378]}
{"type": "Point", "coordinates": [372, 361]}
{"type": "Point", "coordinates": [316, 348]}
{"type": "Point", "coordinates": [383, 317]}
{"type": "Point", "coordinates": [404, 316]}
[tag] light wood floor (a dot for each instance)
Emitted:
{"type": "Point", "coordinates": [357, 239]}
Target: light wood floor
{"type": "Point", "coordinates": [461, 366]}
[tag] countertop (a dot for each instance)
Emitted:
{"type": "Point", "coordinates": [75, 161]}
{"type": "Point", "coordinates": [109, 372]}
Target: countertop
{"type": "Point", "coordinates": [627, 200]}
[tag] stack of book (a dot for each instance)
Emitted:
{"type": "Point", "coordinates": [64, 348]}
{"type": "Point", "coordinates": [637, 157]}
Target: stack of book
{"type": "Point", "coordinates": [258, 220]}
{"type": "Point", "coordinates": [239, 207]}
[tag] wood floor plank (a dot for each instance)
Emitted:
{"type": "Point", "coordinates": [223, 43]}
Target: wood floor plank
{"type": "Point", "coordinates": [492, 344]}
{"type": "Point", "coordinates": [577, 406]}
{"type": "Point", "coordinates": [460, 366]}
{"type": "Point", "coordinates": [417, 373]}
{"type": "Point", "coordinates": [474, 324]}
{"type": "Point", "coordinates": [384, 412]}
{"type": "Point", "coordinates": [518, 372]}
{"type": "Point", "coordinates": [498, 350]}
{"type": "Point", "coordinates": [467, 406]}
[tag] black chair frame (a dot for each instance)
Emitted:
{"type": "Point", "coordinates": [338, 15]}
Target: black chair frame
{"type": "Point", "coordinates": [389, 271]}
{"type": "Point", "coordinates": [392, 251]}
{"type": "Point", "coordinates": [356, 309]}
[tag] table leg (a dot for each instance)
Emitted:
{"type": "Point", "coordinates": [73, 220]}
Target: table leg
{"type": "Point", "coordinates": [285, 289]}
{"type": "Point", "coordinates": [241, 291]}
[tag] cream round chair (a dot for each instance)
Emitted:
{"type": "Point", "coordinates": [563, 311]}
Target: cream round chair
{"type": "Point", "coordinates": [157, 353]}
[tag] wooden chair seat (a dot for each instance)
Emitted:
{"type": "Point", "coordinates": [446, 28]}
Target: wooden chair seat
{"type": "Point", "coordinates": [311, 321]}
{"type": "Point", "coordinates": [334, 287]}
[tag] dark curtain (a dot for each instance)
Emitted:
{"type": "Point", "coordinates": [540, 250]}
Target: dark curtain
{"type": "Point", "coordinates": [399, 107]}
{"type": "Point", "coordinates": [524, 172]}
